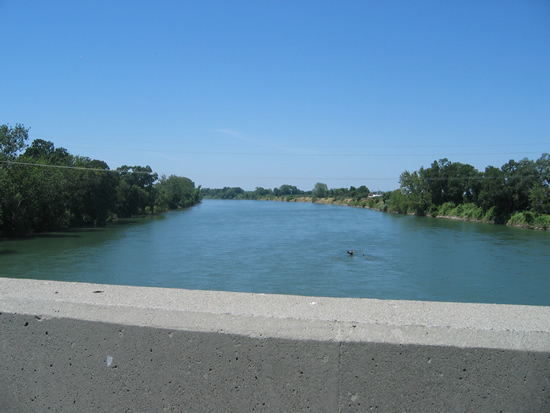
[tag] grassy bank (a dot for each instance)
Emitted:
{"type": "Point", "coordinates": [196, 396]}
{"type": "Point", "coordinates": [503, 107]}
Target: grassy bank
{"type": "Point", "coordinates": [464, 212]}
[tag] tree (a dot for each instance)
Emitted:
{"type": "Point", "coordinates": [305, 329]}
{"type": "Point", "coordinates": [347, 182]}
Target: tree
{"type": "Point", "coordinates": [260, 192]}
{"type": "Point", "coordinates": [45, 151]}
{"type": "Point", "coordinates": [397, 201]}
{"type": "Point", "coordinates": [12, 141]}
{"type": "Point", "coordinates": [93, 191]}
{"type": "Point", "coordinates": [320, 190]}
{"type": "Point", "coordinates": [286, 190]}
{"type": "Point", "coordinates": [362, 192]}
{"type": "Point", "coordinates": [491, 193]}
{"type": "Point", "coordinates": [176, 192]}
{"type": "Point", "coordinates": [135, 190]}
{"type": "Point", "coordinates": [519, 179]}
{"type": "Point", "coordinates": [417, 192]}
{"type": "Point", "coordinates": [450, 182]}
{"type": "Point", "coordinates": [36, 198]}
{"type": "Point", "coordinates": [539, 196]}
{"type": "Point", "coordinates": [338, 192]}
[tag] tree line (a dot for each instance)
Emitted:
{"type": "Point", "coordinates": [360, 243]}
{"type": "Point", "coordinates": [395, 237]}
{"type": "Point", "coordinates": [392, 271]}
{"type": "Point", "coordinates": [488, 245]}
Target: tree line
{"type": "Point", "coordinates": [44, 188]}
{"type": "Point", "coordinates": [286, 191]}
{"type": "Point", "coordinates": [518, 192]}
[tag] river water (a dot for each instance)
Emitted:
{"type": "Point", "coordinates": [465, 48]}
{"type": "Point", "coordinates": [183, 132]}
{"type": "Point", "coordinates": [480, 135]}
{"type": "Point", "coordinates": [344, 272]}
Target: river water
{"type": "Point", "coordinates": [300, 249]}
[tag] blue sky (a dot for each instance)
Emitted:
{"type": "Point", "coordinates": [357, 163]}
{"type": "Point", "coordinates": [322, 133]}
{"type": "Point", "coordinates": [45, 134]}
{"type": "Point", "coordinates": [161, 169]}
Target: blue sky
{"type": "Point", "coordinates": [266, 93]}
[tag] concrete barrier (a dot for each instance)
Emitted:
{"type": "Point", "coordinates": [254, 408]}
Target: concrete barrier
{"type": "Point", "coordinates": [88, 347]}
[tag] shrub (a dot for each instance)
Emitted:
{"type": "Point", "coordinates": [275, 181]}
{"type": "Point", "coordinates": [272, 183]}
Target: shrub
{"type": "Point", "coordinates": [432, 211]}
{"type": "Point", "coordinates": [446, 209]}
{"type": "Point", "coordinates": [470, 211]}
{"type": "Point", "coordinates": [491, 214]}
{"type": "Point", "coordinates": [542, 221]}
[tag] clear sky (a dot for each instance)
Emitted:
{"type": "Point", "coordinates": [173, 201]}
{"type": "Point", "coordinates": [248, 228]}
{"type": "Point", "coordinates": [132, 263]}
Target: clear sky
{"type": "Point", "coordinates": [265, 93]}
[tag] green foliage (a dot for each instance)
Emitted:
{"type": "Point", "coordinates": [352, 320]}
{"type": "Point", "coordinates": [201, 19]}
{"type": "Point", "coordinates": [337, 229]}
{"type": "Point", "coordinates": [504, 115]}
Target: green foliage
{"type": "Point", "coordinates": [490, 214]}
{"type": "Point", "coordinates": [471, 211]}
{"type": "Point", "coordinates": [530, 219]}
{"type": "Point", "coordinates": [362, 192]}
{"type": "Point", "coordinates": [12, 141]}
{"type": "Point", "coordinates": [225, 193]}
{"type": "Point", "coordinates": [260, 192]}
{"type": "Point", "coordinates": [176, 192]}
{"type": "Point", "coordinates": [398, 202]}
{"type": "Point", "coordinates": [543, 221]}
{"type": "Point", "coordinates": [418, 195]}
{"type": "Point", "coordinates": [320, 190]}
{"type": "Point", "coordinates": [455, 189]}
{"type": "Point", "coordinates": [286, 190]}
{"type": "Point", "coordinates": [446, 181]}
{"type": "Point", "coordinates": [46, 188]}
{"type": "Point", "coordinates": [468, 211]}
{"type": "Point", "coordinates": [539, 199]}
{"type": "Point", "coordinates": [447, 209]}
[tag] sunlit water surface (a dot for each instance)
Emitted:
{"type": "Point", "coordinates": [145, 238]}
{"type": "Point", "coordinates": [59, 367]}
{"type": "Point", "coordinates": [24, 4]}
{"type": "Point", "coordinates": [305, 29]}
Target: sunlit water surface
{"type": "Point", "coordinates": [300, 249]}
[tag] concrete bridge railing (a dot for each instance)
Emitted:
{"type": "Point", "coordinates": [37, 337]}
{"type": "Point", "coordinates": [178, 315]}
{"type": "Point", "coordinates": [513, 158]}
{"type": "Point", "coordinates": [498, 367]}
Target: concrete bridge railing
{"type": "Point", "coordinates": [88, 347]}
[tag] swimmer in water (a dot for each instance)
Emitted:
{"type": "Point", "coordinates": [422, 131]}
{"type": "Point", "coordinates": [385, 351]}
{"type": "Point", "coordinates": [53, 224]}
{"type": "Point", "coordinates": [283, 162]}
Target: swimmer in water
{"type": "Point", "coordinates": [351, 252]}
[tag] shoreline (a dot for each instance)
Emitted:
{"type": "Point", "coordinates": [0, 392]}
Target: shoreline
{"type": "Point", "coordinates": [346, 202]}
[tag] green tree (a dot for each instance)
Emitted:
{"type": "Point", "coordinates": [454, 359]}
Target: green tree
{"type": "Point", "coordinates": [36, 197]}
{"type": "Point", "coordinates": [320, 190]}
{"type": "Point", "coordinates": [417, 192]}
{"type": "Point", "coordinates": [94, 188]}
{"type": "Point", "coordinates": [519, 179]}
{"type": "Point", "coordinates": [362, 192]}
{"type": "Point", "coordinates": [12, 141]}
{"type": "Point", "coordinates": [176, 192]}
{"type": "Point", "coordinates": [135, 190]}
{"type": "Point", "coordinates": [338, 192]}
{"type": "Point", "coordinates": [261, 192]}
{"type": "Point", "coordinates": [396, 201]}
{"type": "Point", "coordinates": [451, 182]}
{"type": "Point", "coordinates": [539, 196]}
{"type": "Point", "coordinates": [491, 194]}
{"type": "Point", "coordinates": [286, 190]}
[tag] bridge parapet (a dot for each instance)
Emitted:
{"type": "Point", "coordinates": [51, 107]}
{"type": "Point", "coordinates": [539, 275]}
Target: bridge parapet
{"type": "Point", "coordinates": [82, 347]}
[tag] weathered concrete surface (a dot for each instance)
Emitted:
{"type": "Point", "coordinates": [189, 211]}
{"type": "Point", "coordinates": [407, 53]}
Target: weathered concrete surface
{"type": "Point", "coordinates": [83, 347]}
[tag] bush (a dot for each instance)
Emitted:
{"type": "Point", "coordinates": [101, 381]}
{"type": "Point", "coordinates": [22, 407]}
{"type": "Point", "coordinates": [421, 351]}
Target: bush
{"type": "Point", "coordinates": [542, 221]}
{"type": "Point", "coordinates": [517, 219]}
{"type": "Point", "coordinates": [530, 219]}
{"type": "Point", "coordinates": [432, 211]}
{"type": "Point", "coordinates": [469, 211]}
{"type": "Point", "coordinates": [447, 209]}
{"type": "Point", "coordinates": [491, 214]}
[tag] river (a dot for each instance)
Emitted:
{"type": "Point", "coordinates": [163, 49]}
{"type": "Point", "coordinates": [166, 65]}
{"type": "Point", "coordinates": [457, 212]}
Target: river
{"type": "Point", "coordinates": [300, 249]}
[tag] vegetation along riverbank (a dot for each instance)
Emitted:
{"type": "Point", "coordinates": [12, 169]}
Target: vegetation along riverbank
{"type": "Point", "coordinates": [517, 194]}
{"type": "Point", "coordinates": [44, 188]}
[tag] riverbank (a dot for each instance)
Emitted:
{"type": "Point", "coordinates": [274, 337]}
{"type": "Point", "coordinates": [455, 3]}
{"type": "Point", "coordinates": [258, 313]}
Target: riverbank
{"type": "Point", "coordinates": [524, 219]}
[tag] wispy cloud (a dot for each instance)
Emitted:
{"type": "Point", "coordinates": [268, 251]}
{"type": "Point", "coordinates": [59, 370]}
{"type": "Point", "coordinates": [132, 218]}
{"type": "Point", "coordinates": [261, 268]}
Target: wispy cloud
{"type": "Point", "coordinates": [236, 135]}
{"type": "Point", "coordinates": [242, 137]}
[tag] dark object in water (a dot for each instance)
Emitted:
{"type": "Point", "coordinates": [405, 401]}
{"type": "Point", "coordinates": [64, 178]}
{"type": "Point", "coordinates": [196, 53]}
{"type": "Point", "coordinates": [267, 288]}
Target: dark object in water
{"type": "Point", "coordinates": [351, 252]}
